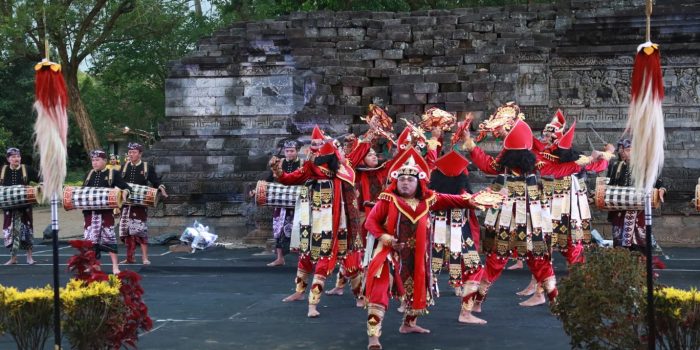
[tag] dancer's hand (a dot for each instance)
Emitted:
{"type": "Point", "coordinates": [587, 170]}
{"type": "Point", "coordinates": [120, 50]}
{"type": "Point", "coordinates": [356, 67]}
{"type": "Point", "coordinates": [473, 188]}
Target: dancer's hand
{"type": "Point", "coordinates": [387, 239]}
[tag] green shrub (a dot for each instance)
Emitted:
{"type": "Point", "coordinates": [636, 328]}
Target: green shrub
{"type": "Point", "coordinates": [602, 303]}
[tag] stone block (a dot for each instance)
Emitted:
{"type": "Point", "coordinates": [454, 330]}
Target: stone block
{"type": "Point", "coordinates": [367, 54]}
{"type": "Point", "coordinates": [455, 96]}
{"type": "Point", "coordinates": [441, 77]}
{"type": "Point", "coordinates": [393, 54]}
{"type": "Point", "coordinates": [396, 33]}
{"type": "Point", "coordinates": [405, 79]}
{"type": "Point", "coordinates": [355, 81]}
{"type": "Point", "coordinates": [483, 26]}
{"type": "Point", "coordinates": [436, 98]}
{"type": "Point", "coordinates": [408, 99]}
{"type": "Point", "coordinates": [349, 45]}
{"type": "Point", "coordinates": [446, 60]}
{"type": "Point", "coordinates": [425, 88]}
{"type": "Point", "coordinates": [357, 33]}
{"type": "Point", "coordinates": [419, 21]}
{"type": "Point", "coordinates": [327, 32]}
{"type": "Point", "coordinates": [379, 44]}
{"type": "Point", "coordinates": [384, 64]}
{"type": "Point", "coordinates": [215, 144]}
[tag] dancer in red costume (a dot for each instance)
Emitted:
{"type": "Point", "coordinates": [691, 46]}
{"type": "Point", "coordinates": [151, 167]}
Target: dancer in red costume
{"type": "Point", "coordinates": [565, 199]}
{"type": "Point", "coordinates": [518, 223]}
{"type": "Point", "coordinates": [455, 234]}
{"type": "Point", "coordinates": [550, 134]}
{"type": "Point", "coordinates": [400, 223]}
{"type": "Point", "coordinates": [329, 220]}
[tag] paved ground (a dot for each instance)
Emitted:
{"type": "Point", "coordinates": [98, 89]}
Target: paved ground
{"type": "Point", "coordinates": [226, 299]}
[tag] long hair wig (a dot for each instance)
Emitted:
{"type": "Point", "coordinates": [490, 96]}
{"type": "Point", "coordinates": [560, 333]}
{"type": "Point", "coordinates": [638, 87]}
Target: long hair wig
{"type": "Point", "coordinates": [521, 159]}
{"type": "Point", "coordinates": [442, 183]}
{"type": "Point", "coordinates": [331, 160]}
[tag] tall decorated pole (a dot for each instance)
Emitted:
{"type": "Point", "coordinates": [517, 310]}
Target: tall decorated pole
{"type": "Point", "coordinates": [646, 125]}
{"type": "Point", "coordinates": [51, 129]}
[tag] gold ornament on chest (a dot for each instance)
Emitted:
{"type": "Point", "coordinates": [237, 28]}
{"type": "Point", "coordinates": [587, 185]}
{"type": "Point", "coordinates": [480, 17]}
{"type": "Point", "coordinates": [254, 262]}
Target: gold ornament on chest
{"type": "Point", "coordinates": [412, 202]}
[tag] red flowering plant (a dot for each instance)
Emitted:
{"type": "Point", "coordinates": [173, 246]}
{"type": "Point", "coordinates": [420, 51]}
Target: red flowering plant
{"type": "Point", "coordinates": [84, 264]}
{"type": "Point", "coordinates": [136, 317]}
{"type": "Point", "coordinates": [133, 315]}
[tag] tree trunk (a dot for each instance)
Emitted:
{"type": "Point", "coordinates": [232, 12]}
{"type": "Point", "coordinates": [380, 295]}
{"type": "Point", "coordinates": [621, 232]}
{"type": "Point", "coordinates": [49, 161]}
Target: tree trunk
{"type": "Point", "coordinates": [198, 8]}
{"type": "Point", "coordinates": [80, 113]}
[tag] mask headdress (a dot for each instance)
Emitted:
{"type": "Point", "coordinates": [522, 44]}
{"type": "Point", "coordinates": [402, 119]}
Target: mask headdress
{"type": "Point", "coordinates": [503, 119]}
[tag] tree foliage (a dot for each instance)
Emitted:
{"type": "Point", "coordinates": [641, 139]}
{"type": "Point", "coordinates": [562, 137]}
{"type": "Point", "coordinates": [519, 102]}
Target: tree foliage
{"type": "Point", "coordinates": [125, 84]}
{"type": "Point", "coordinates": [260, 9]}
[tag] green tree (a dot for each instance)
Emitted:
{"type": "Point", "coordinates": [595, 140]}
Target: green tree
{"type": "Point", "coordinates": [16, 98]}
{"type": "Point", "coordinates": [76, 30]}
{"type": "Point", "coordinates": [126, 83]}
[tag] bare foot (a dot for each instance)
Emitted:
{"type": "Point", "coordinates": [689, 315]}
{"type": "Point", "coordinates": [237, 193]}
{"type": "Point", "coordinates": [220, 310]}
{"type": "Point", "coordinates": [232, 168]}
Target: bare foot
{"type": "Point", "coordinates": [360, 302]}
{"type": "Point", "coordinates": [413, 329]}
{"type": "Point", "coordinates": [401, 308]}
{"type": "Point", "coordinates": [313, 313]}
{"type": "Point", "coordinates": [294, 297]}
{"type": "Point", "coordinates": [477, 307]}
{"type": "Point", "coordinates": [374, 344]}
{"type": "Point", "coordinates": [277, 262]}
{"type": "Point", "coordinates": [115, 270]}
{"type": "Point", "coordinates": [335, 291]}
{"type": "Point", "coordinates": [146, 262]}
{"type": "Point", "coordinates": [11, 261]}
{"type": "Point", "coordinates": [529, 290]}
{"type": "Point", "coordinates": [517, 266]}
{"type": "Point", "coordinates": [30, 261]}
{"type": "Point", "coordinates": [470, 319]}
{"type": "Point", "coordinates": [535, 299]}
{"type": "Point", "coordinates": [126, 261]}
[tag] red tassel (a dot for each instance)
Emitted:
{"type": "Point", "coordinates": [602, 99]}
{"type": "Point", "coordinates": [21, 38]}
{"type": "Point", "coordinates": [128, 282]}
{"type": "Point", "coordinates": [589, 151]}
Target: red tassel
{"type": "Point", "coordinates": [50, 88]}
{"type": "Point", "coordinates": [647, 69]}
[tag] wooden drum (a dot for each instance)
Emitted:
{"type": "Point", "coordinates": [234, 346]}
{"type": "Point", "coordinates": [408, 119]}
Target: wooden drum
{"type": "Point", "coordinates": [143, 196]}
{"type": "Point", "coordinates": [273, 194]}
{"type": "Point", "coordinates": [18, 196]}
{"type": "Point", "coordinates": [622, 198]}
{"type": "Point", "coordinates": [91, 198]}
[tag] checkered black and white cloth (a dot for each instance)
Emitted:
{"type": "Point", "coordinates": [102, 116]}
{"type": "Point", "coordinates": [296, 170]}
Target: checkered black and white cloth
{"type": "Point", "coordinates": [17, 196]}
{"type": "Point", "coordinates": [276, 195]}
{"type": "Point", "coordinates": [143, 196]}
{"type": "Point", "coordinates": [623, 198]}
{"type": "Point", "coordinates": [91, 198]}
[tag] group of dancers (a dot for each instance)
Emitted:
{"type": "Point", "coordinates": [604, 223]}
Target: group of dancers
{"type": "Point", "coordinates": [393, 226]}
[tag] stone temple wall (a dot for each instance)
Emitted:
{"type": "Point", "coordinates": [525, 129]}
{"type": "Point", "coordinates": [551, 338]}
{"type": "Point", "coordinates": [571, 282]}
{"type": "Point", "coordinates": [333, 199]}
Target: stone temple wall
{"type": "Point", "coordinates": [254, 83]}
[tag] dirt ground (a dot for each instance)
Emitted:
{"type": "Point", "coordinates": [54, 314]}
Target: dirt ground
{"type": "Point", "coordinates": [70, 223]}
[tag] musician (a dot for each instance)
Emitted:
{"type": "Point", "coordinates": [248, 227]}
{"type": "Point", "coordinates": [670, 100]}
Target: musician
{"type": "Point", "coordinates": [282, 218]}
{"type": "Point", "coordinates": [99, 224]}
{"type": "Point", "coordinates": [399, 221]}
{"type": "Point", "coordinates": [132, 227]}
{"type": "Point", "coordinates": [628, 226]}
{"type": "Point", "coordinates": [18, 226]}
